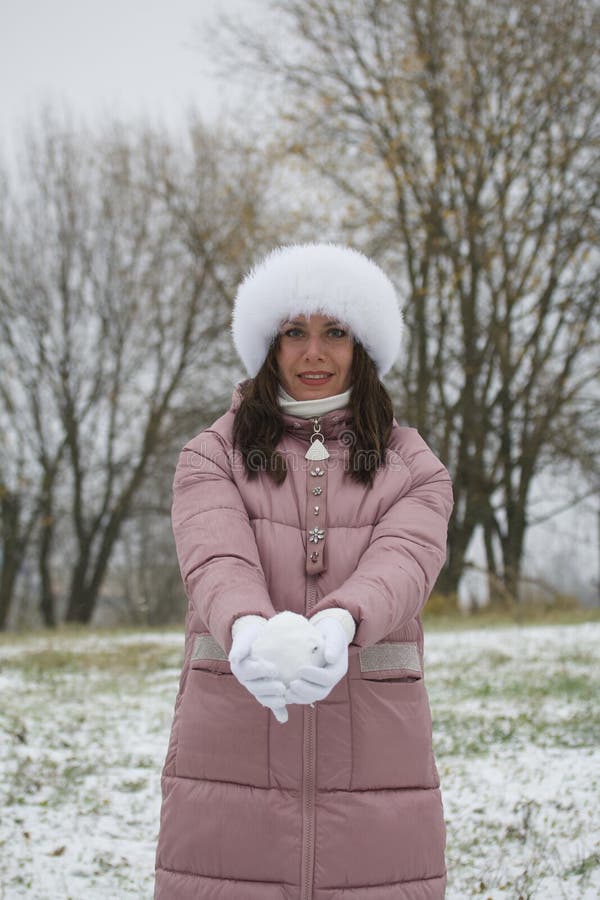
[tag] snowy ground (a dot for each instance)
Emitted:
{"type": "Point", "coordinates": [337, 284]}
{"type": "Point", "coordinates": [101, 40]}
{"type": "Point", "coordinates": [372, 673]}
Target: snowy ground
{"type": "Point", "coordinates": [84, 721]}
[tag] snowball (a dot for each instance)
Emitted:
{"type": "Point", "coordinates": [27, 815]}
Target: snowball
{"type": "Point", "coordinates": [290, 641]}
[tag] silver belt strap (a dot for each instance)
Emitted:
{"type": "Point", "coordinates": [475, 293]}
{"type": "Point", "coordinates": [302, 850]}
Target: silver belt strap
{"type": "Point", "coordinates": [205, 647]}
{"type": "Point", "coordinates": [382, 656]}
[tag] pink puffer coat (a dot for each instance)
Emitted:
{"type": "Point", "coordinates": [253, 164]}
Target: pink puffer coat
{"type": "Point", "coordinates": [342, 802]}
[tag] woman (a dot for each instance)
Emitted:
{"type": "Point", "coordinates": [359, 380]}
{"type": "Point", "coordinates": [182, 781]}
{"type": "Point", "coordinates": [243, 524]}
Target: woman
{"type": "Point", "coordinates": [307, 496]}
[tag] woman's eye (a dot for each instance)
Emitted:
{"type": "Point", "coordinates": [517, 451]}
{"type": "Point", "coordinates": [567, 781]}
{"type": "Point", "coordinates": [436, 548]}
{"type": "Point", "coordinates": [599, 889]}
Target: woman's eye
{"type": "Point", "coordinates": [299, 332]}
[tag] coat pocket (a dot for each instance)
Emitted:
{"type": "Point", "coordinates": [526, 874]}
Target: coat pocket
{"type": "Point", "coordinates": [223, 730]}
{"type": "Point", "coordinates": [391, 720]}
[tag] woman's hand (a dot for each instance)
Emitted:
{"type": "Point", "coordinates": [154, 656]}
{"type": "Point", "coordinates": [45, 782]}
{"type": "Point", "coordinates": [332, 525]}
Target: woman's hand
{"type": "Point", "coordinates": [259, 677]}
{"type": "Point", "coordinates": [316, 682]}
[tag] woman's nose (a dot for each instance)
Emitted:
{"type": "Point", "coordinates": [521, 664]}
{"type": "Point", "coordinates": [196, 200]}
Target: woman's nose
{"type": "Point", "coordinates": [314, 346]}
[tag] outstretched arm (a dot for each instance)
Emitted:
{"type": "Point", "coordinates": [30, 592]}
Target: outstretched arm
{"type": "Point", "coordinates": [398, 569]}
{"type": "Point", "coordinates": [215, 543]}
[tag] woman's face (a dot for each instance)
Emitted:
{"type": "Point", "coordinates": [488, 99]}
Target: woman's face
{"type": "Point", "coordinates": [314, 357]}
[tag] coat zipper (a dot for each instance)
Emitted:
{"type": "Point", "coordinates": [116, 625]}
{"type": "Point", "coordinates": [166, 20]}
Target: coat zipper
{"type": "Point", "coordinates": [308, 780]}
{"type": "Point", "coordinates": [309, 762]}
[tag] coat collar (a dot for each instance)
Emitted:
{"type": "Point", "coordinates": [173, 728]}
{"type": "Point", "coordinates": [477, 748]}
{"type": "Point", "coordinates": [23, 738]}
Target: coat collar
{"type": "Point", "coordinates": [333, 424]}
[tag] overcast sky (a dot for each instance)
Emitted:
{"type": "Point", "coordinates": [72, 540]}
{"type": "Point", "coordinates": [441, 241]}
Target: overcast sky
{"type": "Point", "coordinates": [129, 57]}
{"type": "Point", "coordinates": [123, 56]}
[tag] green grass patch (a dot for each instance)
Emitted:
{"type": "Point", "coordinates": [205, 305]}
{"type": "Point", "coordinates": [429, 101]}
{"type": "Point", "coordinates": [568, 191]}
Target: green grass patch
{"type": "Point", "coordinates": [518, 616]}
{"type": "Point", "coordinates": [120, 659]}
{"type": "Point", "coordinates": [585, 866]}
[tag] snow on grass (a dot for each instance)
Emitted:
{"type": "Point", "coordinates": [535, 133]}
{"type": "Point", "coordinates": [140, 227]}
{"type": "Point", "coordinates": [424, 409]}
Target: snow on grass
{"type": "Point", "coordinates": [83, 731]}
{"type": "Point", "coordinates": [84, 723]}
{"type": "Point", "coordinates": [517, 738]}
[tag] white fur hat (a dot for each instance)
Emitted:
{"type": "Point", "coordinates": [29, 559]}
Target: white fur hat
{"type": "Point", "coordinates": [307, 279]}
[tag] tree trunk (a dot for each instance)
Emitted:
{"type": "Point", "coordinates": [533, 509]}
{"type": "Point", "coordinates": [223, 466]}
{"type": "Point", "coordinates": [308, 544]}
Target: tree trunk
{"type": "Point", "coordinates": [458, 543]}
{"type": "Point", "coordinates": [12, 552]}
{"type": "Point", "coordinates": [7, 590]}
{"type": "Point", "coordinates": [496, 592]}
{"type": "Point", "coordinates": [81, 608]}
{"type": "Point", "coordinates": [512, 553]}
{"type": "Point", "coordinates": [78, 606]}
{"type": "Point", "coordinates": [47, 599]}
{"type": "Point", "coordinates": [91, 571]}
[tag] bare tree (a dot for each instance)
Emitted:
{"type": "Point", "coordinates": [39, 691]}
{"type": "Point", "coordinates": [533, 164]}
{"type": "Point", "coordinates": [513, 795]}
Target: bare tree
{"type": "Point", "coordinates": [32, 449]}
{"type": "Point", "coordinates": [462, 140]}
{"type": "Point", "coordinates": [107, 306]}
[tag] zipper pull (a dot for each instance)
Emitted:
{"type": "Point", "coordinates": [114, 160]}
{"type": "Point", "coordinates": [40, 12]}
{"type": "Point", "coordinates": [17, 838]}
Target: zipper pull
{"type": "Point", "coordinates": [317, 449]}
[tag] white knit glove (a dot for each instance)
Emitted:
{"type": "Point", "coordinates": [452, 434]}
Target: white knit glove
{"type": "Point", "coordinates": [257, 675]}
{"type": "Point", "coordinates": [316, 682]}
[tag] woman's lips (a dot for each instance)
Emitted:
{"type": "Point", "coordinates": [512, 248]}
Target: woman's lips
{"type": "Point", "coordinates": [306, 379]}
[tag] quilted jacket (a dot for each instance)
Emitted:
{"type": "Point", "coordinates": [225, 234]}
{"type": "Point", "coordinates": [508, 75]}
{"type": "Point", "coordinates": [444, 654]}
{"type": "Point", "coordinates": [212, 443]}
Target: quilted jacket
{"type": "Point", "coordinates": [342, 802]}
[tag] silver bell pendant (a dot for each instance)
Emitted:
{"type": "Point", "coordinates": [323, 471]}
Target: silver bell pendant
{"type": "Point", "coordinates": [317, 449]}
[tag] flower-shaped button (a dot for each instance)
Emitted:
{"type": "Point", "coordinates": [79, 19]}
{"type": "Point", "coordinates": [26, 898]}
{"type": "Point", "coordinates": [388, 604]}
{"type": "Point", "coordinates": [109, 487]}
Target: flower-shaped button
{"type": "Point", "coordinates": [315, 535]}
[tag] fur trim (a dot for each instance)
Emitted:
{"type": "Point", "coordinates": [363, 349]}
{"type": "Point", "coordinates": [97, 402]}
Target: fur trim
{"type": "Point", "coordinates": [303, 279]}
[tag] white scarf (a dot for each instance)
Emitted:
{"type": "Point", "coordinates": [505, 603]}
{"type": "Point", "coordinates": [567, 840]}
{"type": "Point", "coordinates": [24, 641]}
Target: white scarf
{"type": "Point", "coordinates": [310, 409]}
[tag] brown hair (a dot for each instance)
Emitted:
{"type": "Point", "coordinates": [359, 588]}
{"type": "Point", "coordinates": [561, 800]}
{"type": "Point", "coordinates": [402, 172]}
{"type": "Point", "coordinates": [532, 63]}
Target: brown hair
{"type": "Point", "coordinates": [258, 425]}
